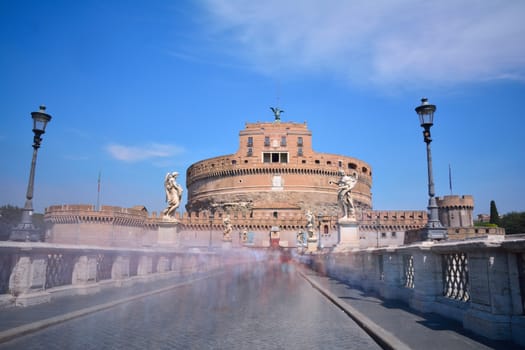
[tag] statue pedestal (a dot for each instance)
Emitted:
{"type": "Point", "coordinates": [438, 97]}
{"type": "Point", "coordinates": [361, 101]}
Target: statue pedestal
{"type": "Point", "coordinates": [226, 244]}
{"type": "Point", "coordinates": [167, 233]}
{"type": "Point", "coordinates": [311, 245]}
{"type": "Point", "coordinates": [348, 234]}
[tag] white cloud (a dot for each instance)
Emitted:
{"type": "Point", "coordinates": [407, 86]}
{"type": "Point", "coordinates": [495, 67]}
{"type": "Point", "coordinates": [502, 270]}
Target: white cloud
{"type": "Point", "coordinates": [381, 41]}
{"type": "Point", "coordinates": [138, 153]}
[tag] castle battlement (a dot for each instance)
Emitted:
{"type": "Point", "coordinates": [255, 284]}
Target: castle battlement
{"type": "Point", "coordinates": [454, 201]}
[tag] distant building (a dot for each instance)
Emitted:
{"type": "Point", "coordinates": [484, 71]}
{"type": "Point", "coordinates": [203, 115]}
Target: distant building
{"type": "Point", "coordinates": [483, 218]}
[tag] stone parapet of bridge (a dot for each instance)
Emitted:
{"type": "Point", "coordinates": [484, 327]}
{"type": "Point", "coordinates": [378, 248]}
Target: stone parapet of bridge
{"type": "Point", "coordinates": [479, 282]}
{"type": "Point", "coordinates": [36, 272]}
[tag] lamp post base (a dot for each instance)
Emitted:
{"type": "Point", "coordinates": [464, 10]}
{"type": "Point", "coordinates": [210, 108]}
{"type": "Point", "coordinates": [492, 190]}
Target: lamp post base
{"type": "Point", "coordinates": [434, 233]}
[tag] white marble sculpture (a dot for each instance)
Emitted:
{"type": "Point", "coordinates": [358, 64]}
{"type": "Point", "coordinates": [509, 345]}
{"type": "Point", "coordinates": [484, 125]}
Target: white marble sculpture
{"type": "Point", "coordinates": [310, 224]}
{"type": "Point", "coordinates": [173, 194]}
{"type": "Point", "coordinates": [344, 196]}
{"type": "Point", "coordinates": [228, 228]}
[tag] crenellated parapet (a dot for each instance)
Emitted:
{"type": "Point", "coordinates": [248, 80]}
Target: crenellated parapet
{"type": "Point", "coordinates": [109, 226]}
{"type": "Point", "coordinates": [80, 213]}
{"type": "Point", "coordinates": [392, 220]}
{"type": "Point", "coordinates": [452, 201]}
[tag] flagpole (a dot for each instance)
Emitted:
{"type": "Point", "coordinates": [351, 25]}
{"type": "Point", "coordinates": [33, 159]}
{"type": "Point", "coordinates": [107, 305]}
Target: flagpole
{"type": "Point", "coordinates": [450, 178]}
{"type": "Point", "coordinates": [98, 193]}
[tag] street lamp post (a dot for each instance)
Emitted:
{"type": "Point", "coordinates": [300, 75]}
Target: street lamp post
{"type": "Point", "coordinates": [433, 230]}
{"type": "Point", "coordinates": [319, 217]}
{"type": "Point", "coordinates": [25, 230]}
{"type": "Point", "coordinates": [211, 226]}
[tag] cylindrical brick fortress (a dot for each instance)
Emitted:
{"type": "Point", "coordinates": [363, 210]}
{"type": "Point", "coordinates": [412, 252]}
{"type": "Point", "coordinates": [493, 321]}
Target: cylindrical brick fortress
{"type": "Point", "coordinates": [275, 167]}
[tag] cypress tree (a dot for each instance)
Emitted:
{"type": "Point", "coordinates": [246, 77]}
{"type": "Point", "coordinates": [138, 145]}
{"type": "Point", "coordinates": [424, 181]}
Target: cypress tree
{"type": "Point", "coordinates": [494, 216]}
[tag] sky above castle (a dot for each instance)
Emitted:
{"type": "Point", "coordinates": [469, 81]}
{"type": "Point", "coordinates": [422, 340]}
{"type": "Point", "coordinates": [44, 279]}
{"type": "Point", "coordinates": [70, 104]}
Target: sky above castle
{"type": "Point", "coordinates": [140, 88]}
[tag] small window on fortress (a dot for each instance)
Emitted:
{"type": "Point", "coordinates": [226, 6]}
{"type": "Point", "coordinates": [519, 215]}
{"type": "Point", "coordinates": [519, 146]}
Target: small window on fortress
{"type": "Point", "coordinates": [234, 162]}
{"type": "Point", "coordinates": [317, 161]}
{"type": "Point", "coordinates": [340, 163]}
{"type": "Point", "coordinates": [300, 151]}
{"type": "Point", "coordinates": [329, 162]}
{"type": "Point", "coordinates": [352, 166]}
{"type": "Point", "coordinates": [275, 215]}
{"type": "Point", "coordinates": [283, 141]}
{"type": "Point", "coordinates": [303, 161]}
{"type": "Point", "coordinates": [394, 235]}
{"type": "Point", "coordinates": [364, 170]}
{"type": "Point", "coordinates": [267, 141]}
{"type": "Point", "coordinates": [250, 152]}
{"type": "Point", "coordinates": [250, 141]}
{"type": "Point", "coordinates": [300, 141]}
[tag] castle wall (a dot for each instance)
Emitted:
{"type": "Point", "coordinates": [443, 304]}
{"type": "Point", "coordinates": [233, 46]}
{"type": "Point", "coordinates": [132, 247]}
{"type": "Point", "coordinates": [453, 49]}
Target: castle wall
{"type": "Point", "coordinates": [456, 211]}
{"type": "Point", "coordinates": [109, 227]}
{"type": "Point", "coordinates": [275, 163]}
{"type": "Point", "coordinates": [127, 227]}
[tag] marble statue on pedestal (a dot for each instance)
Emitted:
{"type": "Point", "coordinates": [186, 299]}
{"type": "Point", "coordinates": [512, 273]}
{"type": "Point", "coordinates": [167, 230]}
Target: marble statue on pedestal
{"type": "Point", "coordinates": [310, 225]}
{"type": "Point", "coordinates": [344, 196]}
{"type": "Point", "coordinates": [173, 194]}
{"type": "Point", "coordinates": [228, 228]}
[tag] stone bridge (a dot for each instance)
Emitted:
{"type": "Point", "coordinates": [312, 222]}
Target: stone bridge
{"type": "Point", "coordinates": [478, 283]}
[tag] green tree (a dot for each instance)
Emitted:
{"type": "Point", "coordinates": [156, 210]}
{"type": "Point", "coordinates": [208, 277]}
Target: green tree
{"type": "Point", "coordinates": [10, 216]}
{"type": "Point", "coordinates": [513, 223]}
{"type": "Point", "coordinates": [494, 216]}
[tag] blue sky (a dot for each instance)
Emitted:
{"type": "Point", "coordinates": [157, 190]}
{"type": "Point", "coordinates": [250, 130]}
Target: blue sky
{"type": "Point", "coordinates": [140, 88]}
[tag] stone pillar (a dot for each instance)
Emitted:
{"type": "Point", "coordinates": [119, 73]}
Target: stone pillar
{"type": "Point", "coordinates": [28, 279]}
{"type": "Point", "coordinates": [145, 265]}
{"type": "Point", "coordinates": [369, 271]}
{"type": "Point", "coordinates": [167, 233]}
{"type": "Point", "coordinates": [177, 264]}
{"type": "Point", "coordinates": [85, 275]}
{"type": "Point", "coordinates": [226, 244]}
{"type": "Point", "coordinates": [120, 269]}
{"type": "Point", "coordinates": [311, 245]}
{"type": "Point", "coordinates": [348, 234]}
{"type": "Point", "coordinates": [163, 264]}
{"type": "Point", "coordinates": [491, 304]}
{"type": "Point", "coordinates": [518, 318]}
{"type": "Point", "coordinates": [392, 268]}
{"type": "Point", "coordinates": [427, 278]}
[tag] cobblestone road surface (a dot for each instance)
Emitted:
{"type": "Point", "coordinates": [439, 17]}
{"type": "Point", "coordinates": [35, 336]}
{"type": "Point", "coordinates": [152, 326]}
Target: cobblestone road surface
{"type": "Point", "coordinates": [267, 307]}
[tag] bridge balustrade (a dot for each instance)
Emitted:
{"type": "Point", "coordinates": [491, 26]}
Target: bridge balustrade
{"type": "Point", "coordinates": [479, 282]}
{"type": "Point", "coordinates": [33, 272]}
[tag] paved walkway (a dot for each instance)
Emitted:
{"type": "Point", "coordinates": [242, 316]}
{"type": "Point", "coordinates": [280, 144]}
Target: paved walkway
{"type": "Point", "coordinates": [396, 326]}
{"type": "Point", "coordinates": [18, 321]}
{"type": "Point", "coordinates": [392, 324]}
